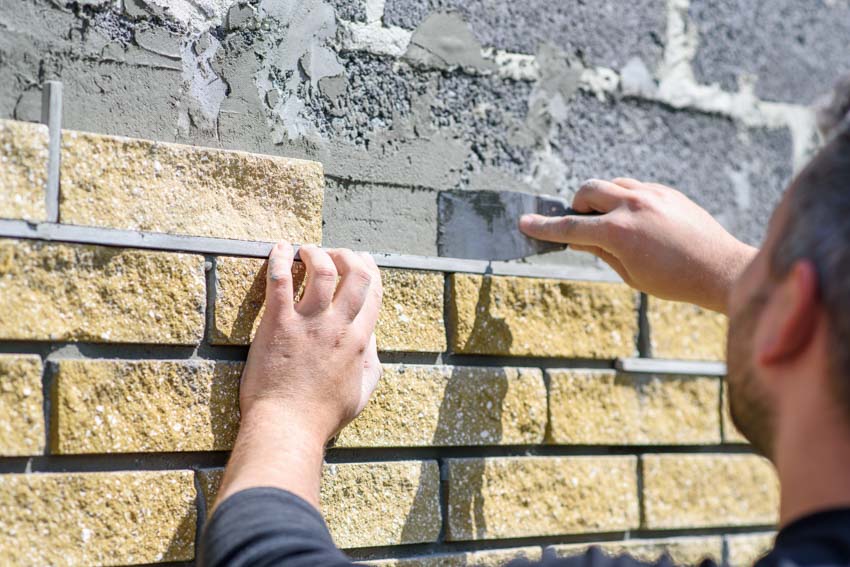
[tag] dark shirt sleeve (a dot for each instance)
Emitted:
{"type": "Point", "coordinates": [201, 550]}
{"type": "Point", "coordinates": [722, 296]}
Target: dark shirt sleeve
{"type": "Point", "coordinates": [269, 526]}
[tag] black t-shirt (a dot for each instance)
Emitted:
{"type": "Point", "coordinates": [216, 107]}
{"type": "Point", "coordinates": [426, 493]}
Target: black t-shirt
{"type": "Point", "coordinates": [268, 526]}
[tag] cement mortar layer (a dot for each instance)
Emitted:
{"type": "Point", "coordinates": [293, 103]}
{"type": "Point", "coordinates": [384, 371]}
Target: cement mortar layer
{"type": "Point", "coordinates": [370, 504]}
{"type": "Point", "coordinates": [63, 292]}
{"type": "Point", "coordinates": [120, 518]}
{"type": "Point", "coordinates": [428, 406]}
{"type": "Point", "coordinates": [22, 422]}
{"type": "Point", "coordinates": [112, 406]}
{"type": "Point", "coordinates": [143, 185]}
{"type": "Point", "coordinates": [23, 170]}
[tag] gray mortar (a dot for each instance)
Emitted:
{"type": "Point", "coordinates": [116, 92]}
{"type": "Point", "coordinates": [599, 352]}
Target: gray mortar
{"type": "Point", "coordinates": [603, 32]}
{"type": "Point", "coordinates": [709, 158]}
{"type": "Point", "coordinates": [797, 50]}
{"type": "Point", "coordinates": [444, 41]}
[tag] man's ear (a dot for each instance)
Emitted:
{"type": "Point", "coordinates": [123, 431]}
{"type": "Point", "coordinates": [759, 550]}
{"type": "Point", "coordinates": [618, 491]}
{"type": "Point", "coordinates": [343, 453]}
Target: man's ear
{"type": "Point", "coordinates": [791, 315]}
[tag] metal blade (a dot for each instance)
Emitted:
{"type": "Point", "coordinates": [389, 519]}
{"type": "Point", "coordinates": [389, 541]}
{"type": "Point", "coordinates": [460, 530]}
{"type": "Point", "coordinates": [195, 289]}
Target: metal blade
{"type": "Point", "coordinates": [484, 225]}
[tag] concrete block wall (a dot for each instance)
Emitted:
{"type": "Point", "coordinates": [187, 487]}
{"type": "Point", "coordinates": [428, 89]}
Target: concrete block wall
{"type": "Point", "coordinates": [527, 408]}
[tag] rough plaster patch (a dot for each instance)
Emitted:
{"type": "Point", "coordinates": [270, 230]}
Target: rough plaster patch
{"type": "Point", "coordinates": [444, 41]}
{"type": "Point", "coordinates": [199, 15]}
{"type": "Point", "coordinates": [205, 90]}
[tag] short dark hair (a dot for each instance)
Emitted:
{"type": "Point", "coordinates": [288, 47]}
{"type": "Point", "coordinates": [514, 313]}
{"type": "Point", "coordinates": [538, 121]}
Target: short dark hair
{"type": "Point", "coordinates": [818, 229]}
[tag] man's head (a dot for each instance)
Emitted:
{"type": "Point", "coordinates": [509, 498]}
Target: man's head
{"type": "Point", "coordinates": [790, 311]}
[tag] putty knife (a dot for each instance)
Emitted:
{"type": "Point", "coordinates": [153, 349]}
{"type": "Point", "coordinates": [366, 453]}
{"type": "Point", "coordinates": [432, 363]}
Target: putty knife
{"type": "Point", "coordinates": [484, 225]}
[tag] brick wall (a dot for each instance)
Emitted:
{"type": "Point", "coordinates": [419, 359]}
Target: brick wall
{"type": "Point", "coordinates": [502, 426]}
{"type": "Point", "coordinates": [534, 409]}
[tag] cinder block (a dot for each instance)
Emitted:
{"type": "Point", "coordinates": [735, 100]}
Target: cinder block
{"type": "Point", "coordinates": [411, 317]}
{"type": "Point", "coordinates": [511, 316]}
{"type": "Point", "coordinates": [115, 518]}
{"type": "Point", "coordinates": [746, 549]}
{"type": "Point", "coordinates": [134, 184]}
{"type": "Point", "coordinates": [605, 32]}
{"type": "Point", "coordinates": [64, 292]}
{"type": "Point", "coordinates": [488, 558]}
{"type": "Point", "coordinates": [778, 47]}
{"type": "Point", "coordinates": [509, 497]}
{"type": "Point", "coordinates": [608, 408]}
{"type": "Point", "coordinates": [421, 406]}
{"type": "Point", "coordinates": [21, 412]}
{"type": "Point", "coordinates": [681, 550]}
{"type": "Point", "coordinates": [708, 490]}
{"type": "Point", "coordinates": [135, 406]}
{"type": "Point", "coordinates": [23, 170]}
{"type": "Point", "coordinates": [685, 331]}
{"type": "Point", "coordinates": [371, 504]}
{"type": "Point", "coordinates": [730, 432]}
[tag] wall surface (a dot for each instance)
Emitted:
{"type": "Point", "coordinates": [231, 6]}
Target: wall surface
{"type": "Point", "coordinates": [123, 326]}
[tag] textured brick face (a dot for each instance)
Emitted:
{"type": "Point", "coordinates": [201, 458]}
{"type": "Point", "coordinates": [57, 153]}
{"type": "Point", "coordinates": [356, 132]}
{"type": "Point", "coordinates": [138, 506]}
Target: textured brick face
{"type": "Point", "coordinates": [689, 491]}
{"type": "Point", "coordinates": [411, 316]}
{"type": "Point", "coordinates": [371, 504]}
{"type": "Point", "coordinates": [685, 331]}
{"type": "Point", "coordinates": [141, 185]}
{"type": "Point", "coordinates": [107, 406]}
{"type": "Point", "coordinates": [97, 518]}
{"type": "Point", "coordinates": [451, 405]}
{"type": "Point", "coordinates": [682, 550]}
{"type": "Point", "coordinates": [534, 317]}
{"type": "Point", "coordinates": [489, 558]}
{"type": "Point", "coordinates": [730, 432]}
{"type": "Point", "coordinates": [23, 170]}
{"type": "Point", "coordinates": [598, 408]}
{"type": "Point", "coordinates": [99, 294]}
{"type": "Point", "coordinates": [21, 413]}
{"type": "Point", "coordinates": [746, 549]}
{"type": "Point", "coordinates": [537, 496]}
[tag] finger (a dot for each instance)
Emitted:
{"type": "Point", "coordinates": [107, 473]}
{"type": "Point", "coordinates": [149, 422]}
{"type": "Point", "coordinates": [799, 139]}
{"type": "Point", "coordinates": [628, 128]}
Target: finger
{"type": "Point", "coordinates": [354, 283]}
{"type": "Point", "coordinates": [368, 315]}
{"type": "Point", "coordinates": [627, 182]}
{"type": "Point", "coordinates": [570, 229]}
{"type": "Point", "coordinates": [372, 372]}
{"type": "Point", "coordinates": [596, 195]}
{"type": "Point", "coordinates": [279, 294]}
{"type": "Point", "coordinates": [320, 282]}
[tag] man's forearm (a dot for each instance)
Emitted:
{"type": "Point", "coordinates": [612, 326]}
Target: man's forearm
{"type": "Point", "coordinates": [274, 450]}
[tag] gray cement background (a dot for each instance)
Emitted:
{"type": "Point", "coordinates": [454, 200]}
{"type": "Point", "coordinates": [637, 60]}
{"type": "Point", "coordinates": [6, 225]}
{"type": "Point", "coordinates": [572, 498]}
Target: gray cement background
{"type": "Point", "coordinates": [400, 99]}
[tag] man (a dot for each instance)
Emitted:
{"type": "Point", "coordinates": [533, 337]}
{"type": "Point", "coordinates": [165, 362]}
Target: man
{"type": "Point", "coordinates": [313, 364]}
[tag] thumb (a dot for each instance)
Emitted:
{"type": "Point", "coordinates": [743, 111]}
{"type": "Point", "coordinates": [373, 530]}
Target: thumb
{"type": "Point", "coordinates": [570, 229]}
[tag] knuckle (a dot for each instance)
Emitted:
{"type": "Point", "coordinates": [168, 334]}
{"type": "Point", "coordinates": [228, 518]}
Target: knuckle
{"type": "Point", "coordinates": [325, 273]}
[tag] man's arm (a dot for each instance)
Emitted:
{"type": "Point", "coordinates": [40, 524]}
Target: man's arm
{"type": "Point", "coordinates": [658, 240]}
{"type": "Point", "coordinates": [310, 370]}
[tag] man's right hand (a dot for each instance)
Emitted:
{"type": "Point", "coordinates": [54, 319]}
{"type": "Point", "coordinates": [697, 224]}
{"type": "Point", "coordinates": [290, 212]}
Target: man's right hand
{"type": "Point", "coordinates": [654, 237]}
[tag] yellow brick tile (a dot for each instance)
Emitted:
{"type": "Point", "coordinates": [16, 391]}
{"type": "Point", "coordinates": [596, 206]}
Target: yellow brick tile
{"type": "Point", "coordinates": [538, 317]}
{"type": "Point", "coordinates": [23, 170]}
{"type": "Point", "coordinates": [488, 558]}
{"type": "Point", "coordinates": [730, 432]}
{"type": "Point", "coordinates": [371, 504]}
{"type": "Point", "coordinates": [411, 317]}
{"type": "Point", "coordinates": [21, 411]}
{"type": "Point", "coordinates": [685, 331]}
{"type": "Point", "coordinates": [609, 408]}
{"type": "Point", "coordinates": [64, 292]}
{"type": "Point", "coordinates": [114, 406]}
{"type": "Point", "coordinates": [423, 406]}
{"type": "Point", "coordinates": [115, 518]}
{"type": "Point", "coordinates": [133, 184]}
{"type": "Point", "coordinates": [708, 490]}
{"type": "Point", "coordinates": [681, 550]}
{"type": "Point", "coordinates": [507, 497]}
{"type": "Point", "coordinates": [746, 549]}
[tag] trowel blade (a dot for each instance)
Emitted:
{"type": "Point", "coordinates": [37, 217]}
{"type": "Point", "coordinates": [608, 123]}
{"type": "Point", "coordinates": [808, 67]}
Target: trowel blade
{"type": "Point", "coordinates": [484, 225]}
